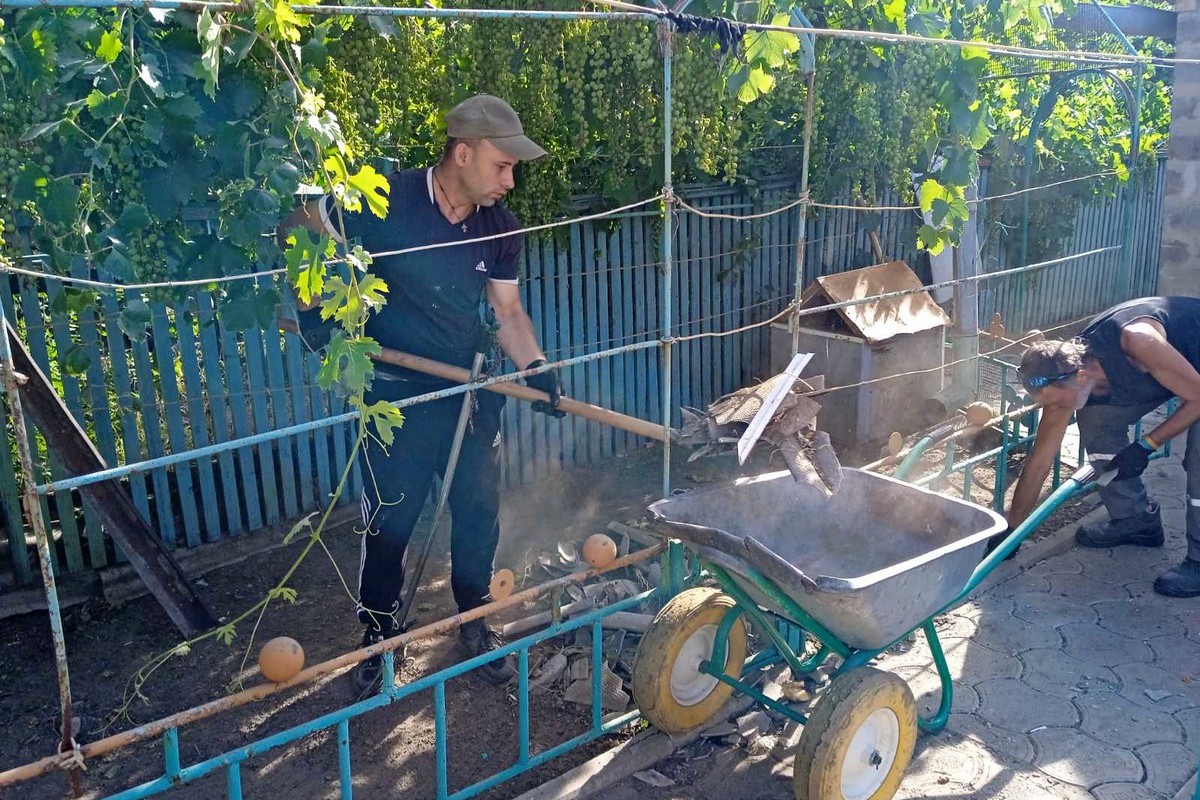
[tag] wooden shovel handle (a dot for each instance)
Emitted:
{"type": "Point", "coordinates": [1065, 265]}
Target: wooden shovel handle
{"type": "Point", "coordinates": [439, 369]}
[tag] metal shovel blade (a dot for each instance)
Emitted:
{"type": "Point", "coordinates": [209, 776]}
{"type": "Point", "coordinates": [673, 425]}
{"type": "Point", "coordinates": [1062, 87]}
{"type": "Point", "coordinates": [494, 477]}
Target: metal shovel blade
{"type": "Point", "coordinates": [771, 405]}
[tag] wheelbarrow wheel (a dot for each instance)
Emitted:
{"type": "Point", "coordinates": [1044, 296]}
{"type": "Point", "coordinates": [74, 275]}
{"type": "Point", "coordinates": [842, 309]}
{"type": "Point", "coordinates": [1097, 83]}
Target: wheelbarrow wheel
{"type": "Point", "coordinates": [668, 686]}
{"type": "Point", "coordinates": [858, 740]}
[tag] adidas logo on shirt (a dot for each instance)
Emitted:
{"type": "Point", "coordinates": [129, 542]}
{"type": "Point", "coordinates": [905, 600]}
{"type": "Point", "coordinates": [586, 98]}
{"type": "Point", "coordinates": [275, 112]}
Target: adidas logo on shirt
{"type": "Point", "coordinates": [481, 267]}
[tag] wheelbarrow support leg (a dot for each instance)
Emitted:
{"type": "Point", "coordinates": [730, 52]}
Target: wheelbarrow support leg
{"type": "Point", "coordinates": [938, 721]}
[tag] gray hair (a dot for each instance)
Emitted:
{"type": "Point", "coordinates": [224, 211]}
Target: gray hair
{"type": "Point", "coordinates": [1054, 357]}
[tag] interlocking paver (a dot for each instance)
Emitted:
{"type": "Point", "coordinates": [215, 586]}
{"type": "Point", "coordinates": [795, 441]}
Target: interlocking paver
{"type": "Point", "coordinates": [1178, 655]}
{"type": "Point", "coordinates": [1189, 719]}
{"type": "Point", "coordinates": [1072, 756]}
{"type": "Point", "coordinates": [927, 688]}
{"type": "Point", "coordinates": [1136, 619]}
{"type": "Point", "coordinates": [1020, 708]}
{"type": "Point", "coordinates": [1190, 617]}
{"type": "Point", "coordinates": [1151, 686]}
{"type": "Point", "coordinates": [1051, 671]}
{"type": "Point", "coordinates": [1091, 586]}
{"type": "Point", "coordinates": [1168, 765]}
{"type": "Point", "coordinates": [1111, 718]}
{"type": "Point", "coordinates": [1053, 610]}
{"type": "Point", "coordinates": [954, 758]}
{"type": "Point", "coordinates": [1125, 791]}
{"type": "Point", "coordinates": [956, 624]}
{"type": "Point", "coordinates": [1064, 564]}
{"type": "Point", "coordinates": [1098, 645]}
{"type": "Point", "coordinates": [1006, 745]}
{"type": "Point", "coordinates": [1019, 586]}
{"type": "Point", "coordinates": [1004, 635]}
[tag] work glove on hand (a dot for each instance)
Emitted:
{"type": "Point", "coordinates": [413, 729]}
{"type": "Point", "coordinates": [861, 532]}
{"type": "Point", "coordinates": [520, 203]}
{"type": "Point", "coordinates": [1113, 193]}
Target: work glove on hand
{"type": "Point", "coordinates": [549, 383]}
{"type": "Point", "coordinates": [1130, 462]}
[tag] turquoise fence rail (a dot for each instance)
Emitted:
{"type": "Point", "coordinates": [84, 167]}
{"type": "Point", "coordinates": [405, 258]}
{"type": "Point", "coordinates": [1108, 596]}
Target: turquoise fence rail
{"type": "Point", "coordinates": [193, 382]}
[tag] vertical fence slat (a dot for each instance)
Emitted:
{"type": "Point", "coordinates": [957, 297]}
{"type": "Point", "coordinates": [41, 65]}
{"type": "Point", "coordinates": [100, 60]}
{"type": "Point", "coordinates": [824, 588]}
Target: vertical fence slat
{"type": "Point", "coordinates": [556, 314]}
{"type": "Point", "coordinates": [72, 396]}
{"type": "Point", "coordinates": [295, 356]}
{"type": "Point", "coordinates": [532, 287]}
{"type": "Point", "coordinates": [164, 353]}
{"type": "Point", "coordinates": [579, 451]}
{"type": "Point", "coordinates": [281, 418]}
{"type": "Point", "coordinates": [235, 379]}
{"type": "Point", "coordinates": [186, 323]}
{"type": "Point", "coordinates": [64, 505]}
{"type": "Point", "coordinates": [604, 327]}
{"type": "Point", "coordinates": [218, 405]}
{"type": "Point", "coordinates": [102, 414]}
{"type": "Point", "coordinates": [14, 520]}
{"type": "Point", "coordinates": [320, 437]}
{"type": "Point", "coordinates": [148, 396]}
{"type": "Point", "coordinates": [591, 316]}
{"type": "Point", "coordinates": [258, 399]}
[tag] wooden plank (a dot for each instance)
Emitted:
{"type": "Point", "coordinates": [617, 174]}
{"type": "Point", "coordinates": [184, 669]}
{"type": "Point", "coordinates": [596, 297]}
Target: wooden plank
{"type": "Point", "coordinates": [64, 505]}
{"type": "Point", "coordinates": [153, 563]}
{"type": "Point", "coordinates": [164, 354]}
{"type": "Point", "coordinates": [218, 409]}
{"type": "Point", "coordinates": [239, 399]}
{"type": "Point", "coordinates": [294, 357]}
{"type": "Point", "coordinates": [185, 331]}
{"type": "Point", "coordinates": [259, 400]}
{"type": "Point", "coordinates": [282, 417]}
{"type": "Point", "coordinates": [147, 392]}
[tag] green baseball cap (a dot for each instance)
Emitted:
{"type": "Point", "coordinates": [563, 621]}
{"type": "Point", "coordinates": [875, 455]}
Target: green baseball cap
{"type": "Point", "coordinates": [486, 117]}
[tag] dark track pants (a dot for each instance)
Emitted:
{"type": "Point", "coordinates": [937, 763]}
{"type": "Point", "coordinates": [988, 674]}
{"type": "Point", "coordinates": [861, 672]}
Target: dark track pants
{"type": "Point", "coordinates": [1104, 430]}
{"type": "Point", "coordinates": [396, 483]}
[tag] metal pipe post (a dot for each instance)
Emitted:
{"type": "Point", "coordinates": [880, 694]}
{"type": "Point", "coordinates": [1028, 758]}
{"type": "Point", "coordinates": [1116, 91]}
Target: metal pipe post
{"type": "Point", "coordinates": [666, 33]}
{"type": "Point", "coordinates": [810, 82]}
{"type": "Point", "coordinates": [33, 509]}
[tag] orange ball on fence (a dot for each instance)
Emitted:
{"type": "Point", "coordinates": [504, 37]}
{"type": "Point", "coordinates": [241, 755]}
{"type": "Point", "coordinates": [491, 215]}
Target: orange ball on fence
{"type": "Point", "coordinates": [599, 551]}
{"type": "Point", "coordinates": [979, 414]}
{"type": "Point", "coordinates": [280, 659]}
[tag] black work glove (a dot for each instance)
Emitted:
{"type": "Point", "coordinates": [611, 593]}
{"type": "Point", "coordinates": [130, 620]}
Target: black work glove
{"type": "Point", "coordinates": [1130, 462]}
{"type": "Point", "coordinates": [546, 382]}
{"type": "Point", "coordinates": [998, 540]}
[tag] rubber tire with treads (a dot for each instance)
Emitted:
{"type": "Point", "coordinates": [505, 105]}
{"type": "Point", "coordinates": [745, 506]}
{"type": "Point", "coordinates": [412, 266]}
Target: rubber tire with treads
{"type": "Point", "coordinates": [839, 713]}
{"type": "Point", "coordinates": [693, 612]}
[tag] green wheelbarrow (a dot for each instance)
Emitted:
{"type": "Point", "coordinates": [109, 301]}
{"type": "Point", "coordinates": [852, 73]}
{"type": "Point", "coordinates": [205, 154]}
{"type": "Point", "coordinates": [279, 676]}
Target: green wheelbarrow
{"type": "Point", "coordinates": [852, 575]}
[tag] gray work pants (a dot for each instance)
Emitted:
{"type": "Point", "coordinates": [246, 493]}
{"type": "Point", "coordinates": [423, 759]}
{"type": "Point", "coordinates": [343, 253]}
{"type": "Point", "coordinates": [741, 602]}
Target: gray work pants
{"type": "Point", "coordinates": [1104, 430]}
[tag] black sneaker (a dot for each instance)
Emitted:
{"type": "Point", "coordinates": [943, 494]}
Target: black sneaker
{"type": "Point", "coordinates": [1181, 581]}
{"type": "Point", "coordinates": [476, 638]}
{"type": "Point", "coordinates": [368, 675]}
{"type": "Point", "coordinates": [1144, 529]}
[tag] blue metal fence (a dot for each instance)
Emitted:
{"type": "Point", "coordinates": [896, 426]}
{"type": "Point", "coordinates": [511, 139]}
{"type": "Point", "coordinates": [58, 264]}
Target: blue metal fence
{"type": "Point", "coordinates": [194, 383]}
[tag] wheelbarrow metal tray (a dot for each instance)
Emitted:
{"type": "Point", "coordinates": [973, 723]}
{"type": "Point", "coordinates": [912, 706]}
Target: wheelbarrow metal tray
{"type": "Point", "coordinates": [871, 563]}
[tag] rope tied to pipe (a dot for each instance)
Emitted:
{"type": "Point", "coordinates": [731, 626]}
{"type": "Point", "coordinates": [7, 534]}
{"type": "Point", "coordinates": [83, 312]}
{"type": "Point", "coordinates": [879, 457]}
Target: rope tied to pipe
{"type": "Point", "coordinates": [69, 760]}
{"type": "Point", "coordinates": [727, 32]}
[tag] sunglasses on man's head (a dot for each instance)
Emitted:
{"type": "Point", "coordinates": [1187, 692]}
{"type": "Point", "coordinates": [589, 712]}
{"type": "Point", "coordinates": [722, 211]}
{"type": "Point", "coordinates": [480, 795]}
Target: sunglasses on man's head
{"type": "Point", "coordinates": [1032, 382]}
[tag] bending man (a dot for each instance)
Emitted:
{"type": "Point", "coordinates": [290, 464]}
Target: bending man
{"type": "Point", "coordinates": [1128, 361]}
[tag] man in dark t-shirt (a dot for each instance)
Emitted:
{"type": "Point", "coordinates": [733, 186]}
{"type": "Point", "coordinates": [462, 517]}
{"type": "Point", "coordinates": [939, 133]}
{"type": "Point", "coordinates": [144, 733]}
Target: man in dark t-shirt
{"type": "Point", "coordinates": [1128, 361]}
{"type": "Point", "coordinates": [451, 213]}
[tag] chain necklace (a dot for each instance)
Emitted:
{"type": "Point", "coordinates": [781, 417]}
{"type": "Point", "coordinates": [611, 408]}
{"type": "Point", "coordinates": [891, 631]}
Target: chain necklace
{"type": "Point", "coordinates": [453, 208]}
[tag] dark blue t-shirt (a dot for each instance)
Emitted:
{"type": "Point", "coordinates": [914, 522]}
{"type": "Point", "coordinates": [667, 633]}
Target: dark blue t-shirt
{"type": "Point", "coordinates": [1128, 385]}
{"type": "Point", "coordinates": [435, 296]}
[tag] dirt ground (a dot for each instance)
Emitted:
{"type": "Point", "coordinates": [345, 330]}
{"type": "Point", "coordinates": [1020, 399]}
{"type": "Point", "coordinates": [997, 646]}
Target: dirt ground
{"type": "Point", "coordinates": [392, 748]}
